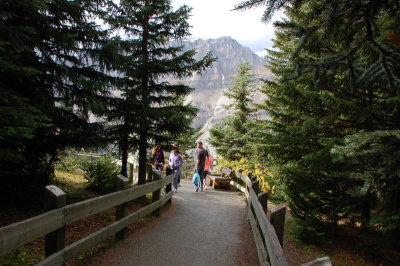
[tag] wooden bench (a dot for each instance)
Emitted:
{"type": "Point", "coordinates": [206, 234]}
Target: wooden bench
{"type": "Point", "coordinates": [223, 181]}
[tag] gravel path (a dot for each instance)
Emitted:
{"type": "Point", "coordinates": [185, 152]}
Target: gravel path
{"type": "Point", "coordinates": [198, 228]}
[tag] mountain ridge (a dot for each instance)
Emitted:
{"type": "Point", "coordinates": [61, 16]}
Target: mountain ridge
{"type": "Point", "coordinates": [210, 84]}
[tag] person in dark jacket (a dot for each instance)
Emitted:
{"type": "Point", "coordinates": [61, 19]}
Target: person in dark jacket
{"type": "Point", "coordinates": [158, 158]}
{"type": "Point", "coordinates": [200, 163]}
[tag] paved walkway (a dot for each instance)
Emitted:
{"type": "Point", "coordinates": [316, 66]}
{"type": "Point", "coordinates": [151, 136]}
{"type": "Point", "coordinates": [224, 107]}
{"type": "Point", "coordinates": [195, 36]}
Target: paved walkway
{"type": "Point", "coordinates": [198, 228]}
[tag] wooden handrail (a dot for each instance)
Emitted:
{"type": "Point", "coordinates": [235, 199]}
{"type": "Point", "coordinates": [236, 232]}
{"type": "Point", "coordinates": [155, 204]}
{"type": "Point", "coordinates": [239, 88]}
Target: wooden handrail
{"type": "Point", "coordinates": [268, 244]}
{"type": "Point", "coordinates": [82, 245]}
{"type": "Point", "coordinates": [20, 233]}
{"type": "Point", "coordinates": [188, 165]}
{"type": "Point", "coordinates": [275, 251]}
{"type": "Point", "coordinates": [187, 168]}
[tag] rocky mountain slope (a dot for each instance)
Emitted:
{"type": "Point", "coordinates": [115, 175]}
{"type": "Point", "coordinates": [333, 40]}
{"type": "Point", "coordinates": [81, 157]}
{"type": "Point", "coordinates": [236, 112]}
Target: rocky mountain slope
{"type": "Point", "coordinates": [209, 85]}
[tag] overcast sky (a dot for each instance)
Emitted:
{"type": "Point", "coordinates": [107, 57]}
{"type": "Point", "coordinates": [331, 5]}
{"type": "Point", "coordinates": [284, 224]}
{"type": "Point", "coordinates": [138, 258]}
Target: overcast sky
{"type": "Point", "coordinates": [212, 19]}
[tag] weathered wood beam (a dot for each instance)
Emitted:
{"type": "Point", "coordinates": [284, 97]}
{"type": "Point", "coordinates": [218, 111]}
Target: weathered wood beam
{"type": "Point", "coordinates": [278, 215]}
{"type": "Point", "coordinates": [20, 233]}
{"type": "Point", "coordinates": [121, 210]}
{"type": "Point", "coordinates": [261, 250]}
{"type": "Point", "coordinates": [84, 244]}
{"type": "Point", "coordinates": [55, 199]}
{"type": "Point", "coordinates": [157, 193]}
{"type": "Point", "coordinates": [274, 248]}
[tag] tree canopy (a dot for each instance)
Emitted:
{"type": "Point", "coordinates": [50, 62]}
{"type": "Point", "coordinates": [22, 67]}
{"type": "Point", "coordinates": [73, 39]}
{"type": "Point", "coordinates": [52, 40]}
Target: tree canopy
{"type": "Point", "coordinates": [86, 74]}
{"type": "Point", "coordinates": [48, 85]}
{"type": "Point", "coordinates": [151, 110]}
{"type": "Point", "coordinates": [334, 108]}
{"type": "Point", "coordinates": [230, 139]}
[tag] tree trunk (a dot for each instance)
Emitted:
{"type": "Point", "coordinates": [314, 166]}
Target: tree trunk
{"type": "Point", "coordinates": [142, 158]}
{"type": "Point", "coordinates": [366, 210]}
{"type": "Point", "coordinates": [124, 151]}
{"type": "Point", "coordinates": [145, 103]}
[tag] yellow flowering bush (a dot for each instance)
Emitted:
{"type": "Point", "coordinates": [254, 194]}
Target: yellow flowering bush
{"type": "Point", "coordinates": [263, 174]}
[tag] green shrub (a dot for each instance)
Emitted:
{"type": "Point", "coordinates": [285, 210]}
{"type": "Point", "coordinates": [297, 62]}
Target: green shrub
{"type": "Point", "coordinates": [101, 174]}
{"type": "Point", "coordinates": [70, 163]}
{"type": "Point", "coordinates": [308, 231]}
{"type": "Point", "coordinates": [22, 256]}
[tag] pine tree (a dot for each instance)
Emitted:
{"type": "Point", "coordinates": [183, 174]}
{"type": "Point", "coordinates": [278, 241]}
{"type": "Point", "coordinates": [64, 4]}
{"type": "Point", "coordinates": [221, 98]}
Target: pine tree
{"type": "Point", "coordinates": [147, 59]}
{"type": "Point", "coordinates": [376, 156]}
{"type": "Point", "coordinates": [337, 68]}
{"type": "Point", "coordinates": [186, 138]}
{"type": "Point", "coordinates": [230, 139]}
{"type": "Point", "coordinates": [50, 83]}
{"type": "Point", "coordinates": [18, 118]}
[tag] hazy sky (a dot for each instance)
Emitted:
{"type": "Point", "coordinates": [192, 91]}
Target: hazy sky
{"type": "Point", "coordinates": [213, 18]}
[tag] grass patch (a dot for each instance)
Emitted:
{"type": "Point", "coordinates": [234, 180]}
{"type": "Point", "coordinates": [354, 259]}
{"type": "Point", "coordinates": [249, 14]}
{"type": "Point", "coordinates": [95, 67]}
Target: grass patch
{"type": "Point", "coordinates": [74, 185]}
{"type": "Point", "coordinates": [22, 256]}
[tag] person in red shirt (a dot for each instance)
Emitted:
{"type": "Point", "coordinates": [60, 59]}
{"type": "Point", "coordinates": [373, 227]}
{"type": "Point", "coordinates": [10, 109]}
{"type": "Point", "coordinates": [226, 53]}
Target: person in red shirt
{"type": "Point", "coordinates": [207, 165]}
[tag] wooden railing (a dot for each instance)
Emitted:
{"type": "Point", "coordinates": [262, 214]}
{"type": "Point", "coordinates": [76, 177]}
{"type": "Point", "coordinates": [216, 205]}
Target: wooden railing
{"type": "Point", "coordinates": [187, 168]}
{"type": "Point", "coordinates": [52, 223]}
{"type": "Point", "coordinates": [267, 225]}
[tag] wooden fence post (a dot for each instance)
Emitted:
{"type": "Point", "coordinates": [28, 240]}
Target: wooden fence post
{"type": "Point", "coordinates": [256, 186]}
{"type": "Point", "coordinates": [130, 173]}
{"type": "Point", "coordinates": [54, 241]}
{"type": "Point", "coordinates": [278, 215]}
{"type": "Point", "coordinates": [239, 177]}
{"type": "Point", "coordinates": [156, 194]}
{"type": "Point", "coordinates": [168, 188]}
{"type": "Point", "coordinates": [121, 211]}
{"type": "Point", "coordinates": [149, 170]}
{"type": "Point", "coordinates": [250, 175]}
{"type": "Point", "coordinates": [234, 177]}
{"type": "Point", "coordinates": [263, 199]}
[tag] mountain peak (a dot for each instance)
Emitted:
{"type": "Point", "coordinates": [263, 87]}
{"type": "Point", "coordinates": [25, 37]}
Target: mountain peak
{"type": "Point", "coordinates": [226, 38]}
{"type": "Point", "coordinates": [209, 85]}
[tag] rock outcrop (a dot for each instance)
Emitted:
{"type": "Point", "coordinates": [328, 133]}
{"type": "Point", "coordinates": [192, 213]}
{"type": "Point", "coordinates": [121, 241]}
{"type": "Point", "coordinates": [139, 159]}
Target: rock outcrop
{"type": "Point", "coordinates": [210, 85]}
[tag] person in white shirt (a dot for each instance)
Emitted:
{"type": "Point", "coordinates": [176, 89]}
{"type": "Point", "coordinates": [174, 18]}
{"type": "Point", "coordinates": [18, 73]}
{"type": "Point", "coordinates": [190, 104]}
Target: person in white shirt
{"type": "Point", "coordinates": [175, 162]}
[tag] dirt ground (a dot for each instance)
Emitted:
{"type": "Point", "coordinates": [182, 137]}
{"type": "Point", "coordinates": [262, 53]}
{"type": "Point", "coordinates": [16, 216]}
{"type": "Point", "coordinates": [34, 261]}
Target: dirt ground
{"type": "Point", "coordinates": [346, 249]}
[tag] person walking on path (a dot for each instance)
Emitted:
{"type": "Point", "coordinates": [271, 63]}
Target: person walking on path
{"type": "Point", "coordinates": [180, 170]}
{"type": "Point", "coordinates": [158, 158]}
{"type": "Point", "coordinates": [175, 162]}
{"type": "Point", "coordinates": [200, 163]}
{"type": "Point", "coordinates": [207, 166]}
